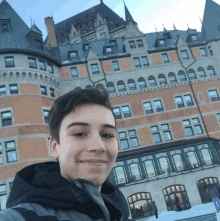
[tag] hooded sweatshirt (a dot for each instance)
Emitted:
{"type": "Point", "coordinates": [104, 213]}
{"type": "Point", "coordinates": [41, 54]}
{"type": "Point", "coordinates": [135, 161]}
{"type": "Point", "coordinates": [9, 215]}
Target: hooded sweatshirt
{"type": "Point", "coordinates": [39, 192]}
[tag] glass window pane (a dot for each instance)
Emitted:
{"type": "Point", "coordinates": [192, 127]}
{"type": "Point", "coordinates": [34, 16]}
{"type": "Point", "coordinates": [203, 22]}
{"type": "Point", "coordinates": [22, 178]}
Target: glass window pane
{"type": "Point", "coordinates": [186, 122]}
{"type": "Point", "coordinates": [165, 126]}
{"type": "Point", "coordinates": [206, 156]}
{"type": "Point", "coordinates": [148, 107]}
{"type": "Point", "coordinates": [135, 171]}
{"type": "Point", "coordinates": [132, 133]}
{"type": "Point", "coordinates": [195, 120]}
{"type": "Point", "coordinates": [167, 135]}
{"type": "Point", "coordinates": [122, 134]}
{"type": "Point", "coordinates": [198, 129]}
{"type": "Point", "coordinates": [189, 131]}
{"type": "Point", "coordinates": [11, 156]}
{"type": "Point", "coordinates": [120, 175]}
{"type": "Point", "coordinates": [149, 168]}
{"type": "Point", "coordinates": [144, 61]}
{"type": "Point", "coordinates": [158, 106]}
{"type": "Point", "coordinates": [192, 158]}
{"type": "Point", "coordinates": [3, 202]}
{"type": "Point", "coordinates": [124, 144]}
{"type": "Point", "coordinates": [164, 164]}
{"type": "Point", "coordinates": [178, 162]}
{"type": "Point", "coordinates": [134, 142]}
{"type": "Point", "coordinates": [154, 128]}
{"type": "Point", "coordinates": [156, 137]}
{"type": "Point", "coordinates": [74, 72]}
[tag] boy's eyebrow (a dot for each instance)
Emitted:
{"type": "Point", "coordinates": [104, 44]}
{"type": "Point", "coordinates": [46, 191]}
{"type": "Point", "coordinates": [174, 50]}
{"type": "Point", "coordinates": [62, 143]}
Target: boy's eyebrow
{"type": "Point", "coordinates": [88, 125]}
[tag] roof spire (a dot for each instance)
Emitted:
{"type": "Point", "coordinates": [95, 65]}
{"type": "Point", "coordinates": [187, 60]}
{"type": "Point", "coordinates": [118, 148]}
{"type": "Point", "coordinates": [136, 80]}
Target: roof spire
{"type": "Point", "coordinates": [156, 28]}
{"type": "Point", "coordinates": [187, 25]}
{"type": "Point", "coordinates": [101, 1]}
{"type": "Point", "coordinates": [128, 16]}
{"type": "Point", "coordinates": [174, 26]}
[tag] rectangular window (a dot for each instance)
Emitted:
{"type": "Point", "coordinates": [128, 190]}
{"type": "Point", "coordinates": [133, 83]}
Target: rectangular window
{"type": "Point", "coordinates": [148, 108]}
{"type": "Point", "coordinates": [140, 43]}
{"type": "Point", "coordinates": [218, 117]}
{"type": "Point", "coordinates": [158, 106]}
{"type": "Point", "coordinates": [43, 90]}
{"type": "Point", "coordinates": [32, 63]}
{"type": "Point", "coordinates": [133, 138]}
{"type": "Point", "coordinates": [52, 92]}
{"type": "Point", "coordinates": [161, 42]}
{"type": "Point", "coordinates": [137, 62]}
{"type": "Point", "coordinates": [144, 61]}
{"type": "Point", "coordinates": [117, 113]}
{"type": "Point", "coordinates": [102, 31]}
{"type": "Point", "coordinates": [115, 66]}
{"type": "Point", "coordinates": [192, 128]}
{"type": "Point", "coordinates": [132, 44]}
{"type": "Point", "coordinates": [74, 72]}
{"type": "Point", "coordinates": [165, 58]}
{"type": "Point", "coordinates": [50, 68]}
{"type": "Point", "coordinates": [166, 132]}
{"type": "Point", "coordinates": [5, 27]}
{"type": "Point", "coordinates": [2, 90]}
{"type": "Point", "coordinates": [203, 52]}
{"type": "Point", "coordinates": [194, 37]}
{"type": "Point", "coordinates": [179, 102]}
{"type": "Point", "coordinates": [108, 50]}
{"type": "Point", "coordinates": [185, 55]}
{"type": "Point", "coordinates": [213, 94]}
{"type": "Point", "coordinates": [95, 69]}
{"type": "Point", "coordinates": [6, 118]}
{"type": "Point", "coordinates": [73, 56]}
{"type": "Point", "coordinates": [45, 116]}
{"type": "Point", "coordinates": [9, 62]}
{"type": "Point", "coordinates": [14, 89]}
{"type": "Point", "coordinates": [42, 65]}
{"type": "Point", "coordinates": [188, 100]}
{"type": "Point", "coordinates": [123, 140]}
{"type": "Point", "coordinates": [38, 45]}
{"type": "Point", "coordinates": [156, 134]}
{"type": "Point", "coordinates": [126, 111]}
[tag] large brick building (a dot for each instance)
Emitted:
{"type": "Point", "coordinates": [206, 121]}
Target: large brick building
{"type": "Point", "coordinates": [164, 88]}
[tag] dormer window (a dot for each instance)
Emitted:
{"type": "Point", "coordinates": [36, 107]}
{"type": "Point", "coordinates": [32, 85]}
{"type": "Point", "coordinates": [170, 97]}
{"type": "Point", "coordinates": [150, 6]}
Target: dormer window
{"type": "Point", "coordinates": [194, 37]}
{"type": "Point", "coordinates": [102, 31]}
{"type": "Point", "coordinates": [5, 27]}
{"type": "Point", "coordinates": [38, 44]}
{"type": "Point", "coordinates": [161, 42]}
{"type": "Point", "coordinates": [73, 56]}
{"type": "Point", "coordinates": [86, 47]}
{"type": "Point", "coordinates": [108, 50]}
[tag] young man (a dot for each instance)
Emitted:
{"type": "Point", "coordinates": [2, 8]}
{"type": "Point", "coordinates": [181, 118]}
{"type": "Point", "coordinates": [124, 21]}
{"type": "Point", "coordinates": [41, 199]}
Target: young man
{"type": "Point", "coordinates": [84, 141]}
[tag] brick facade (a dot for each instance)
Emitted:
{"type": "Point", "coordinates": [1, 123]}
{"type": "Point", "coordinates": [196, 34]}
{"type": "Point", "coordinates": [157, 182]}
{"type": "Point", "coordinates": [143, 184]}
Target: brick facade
{"type": "Point", "coordinates": [157, 59]}
{"type": "Point", "coordinates": [125, 64]}
{"type": "Point", "coordinates": [173, 56]}
{"type": "Point", "coordinates": [196, 53]}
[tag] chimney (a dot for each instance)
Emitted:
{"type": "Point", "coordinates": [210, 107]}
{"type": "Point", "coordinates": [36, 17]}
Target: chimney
{"type": "Point", "coordinates": [51, 31]}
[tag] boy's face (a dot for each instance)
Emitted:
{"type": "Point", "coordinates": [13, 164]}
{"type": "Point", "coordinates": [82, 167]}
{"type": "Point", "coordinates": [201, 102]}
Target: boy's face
{"type": "Point", "coordinates": [83, 143]}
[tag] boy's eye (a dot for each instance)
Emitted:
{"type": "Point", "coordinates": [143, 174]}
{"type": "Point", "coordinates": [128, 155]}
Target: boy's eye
{"type": "Point", "coordinates": [79, 135]}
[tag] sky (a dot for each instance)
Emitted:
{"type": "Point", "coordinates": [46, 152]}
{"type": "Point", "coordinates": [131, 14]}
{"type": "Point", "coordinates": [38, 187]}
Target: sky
{"type": "Point", "coordinates": [147, 13]}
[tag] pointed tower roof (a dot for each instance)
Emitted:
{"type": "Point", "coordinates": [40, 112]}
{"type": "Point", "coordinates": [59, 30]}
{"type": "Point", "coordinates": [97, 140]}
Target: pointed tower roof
{"type": "Point", "coordinates": [210, 24]}
{"type": "Point", "coordinates": [128, 16]}
{"type": "Point", "coordinates": [36, 29]}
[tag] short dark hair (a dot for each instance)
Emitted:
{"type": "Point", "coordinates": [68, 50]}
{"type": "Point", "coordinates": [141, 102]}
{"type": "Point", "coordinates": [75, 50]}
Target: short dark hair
{"type": "Point", "coordinates": [68, 103]}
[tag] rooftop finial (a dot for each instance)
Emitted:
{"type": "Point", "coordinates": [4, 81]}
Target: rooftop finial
{"type": "Point", "coordinates": [187, 24]}
{"type": "Point", "coordinates": [156, 28]}
{"type": "Point", "coordinates": [174, 26]}
{"type": "Point", "coordinates": [101, 1]}
{"type": "Point", "coordinates": [31, 21]}
{"type": "Point", "coordinates": [200, 19]}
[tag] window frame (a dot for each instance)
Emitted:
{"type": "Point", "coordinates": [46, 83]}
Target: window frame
{"type": "Point", "coordinates": [118, 69]}
{"type": "Point", "coordinates": [75, 68]}
{"type": "Point", "coordinates": [9, 66]}
{"type": "Point", "coordinates": [165, 61]}
{"type": "Point", "coordinates": [217, 92]}
{"type": "Point", "coordinates": [34, 59]}
{"type": "Point", "coordinates": [96, 72]}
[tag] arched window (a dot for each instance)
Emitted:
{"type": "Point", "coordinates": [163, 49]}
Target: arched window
{"type": "Point", "coordinates": [176, 194]}
{"type": "Point", "coordinates": [149, 167]}
{"type": "Point", "coordinates": [142, 83]}
{"type": "Point", "coordinates": [191, 74]}
{"type": "Point", "coordinates": [111, 88]}
{"type": "Point", "coordinates": [100, 87]}
{"type": "Point", "coordinates": [182, 76]}
{"type": "Point", "coordinates": [121, 86]}
{"type": "Point", "coordinates": [131, 84]}
{"type": "Point", "coordinates": [205, 153]}
{"type": "Point", "coordinates": [172, 78]}
{"type": "Point", "coordinates": [162, 79]}
{"type": "Point", "coordinates": [88, 87]}
{"type": "Point", "coordinates": [164, 163]}
{"type": "Point", "coordinates": [211, 71]}
{"type": "Point", "coordinates": [152, 81]}
{"type": "Point", "coordinates": [203, 186]}
{"type": "Point", "coordinates": [140, 205]}
{"type": "Point", "coordinates": [192, 157]}
{"type": "Point", "coordinates": [178, 163]}
{"type": "Point", "coordinates": [201, 73]}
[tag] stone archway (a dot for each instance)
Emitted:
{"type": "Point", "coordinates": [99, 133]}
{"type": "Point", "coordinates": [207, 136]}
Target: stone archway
{"type": "Point", "coordinates": [203, 185]}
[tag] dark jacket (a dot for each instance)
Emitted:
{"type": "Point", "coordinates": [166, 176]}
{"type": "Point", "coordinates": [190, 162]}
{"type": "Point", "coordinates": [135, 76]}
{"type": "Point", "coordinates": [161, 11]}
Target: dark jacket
{"type": "Point", "coordinates": [39, 192]}
{"type": "Point", "coordinates": [154, 207]}
{"type": "Point", "coordinates": [213, 192]}
{"type": "Point", "coordinates": [177, 200]}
